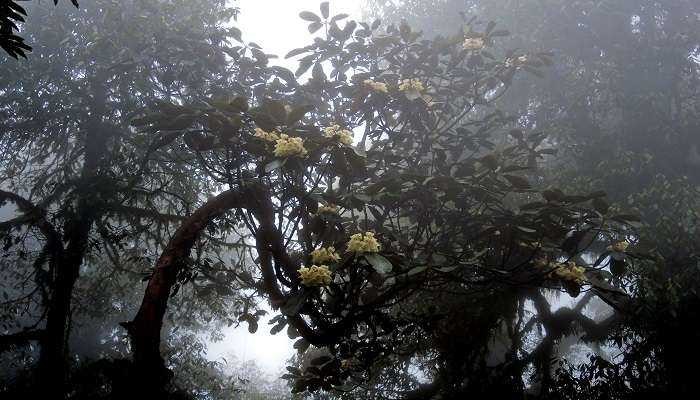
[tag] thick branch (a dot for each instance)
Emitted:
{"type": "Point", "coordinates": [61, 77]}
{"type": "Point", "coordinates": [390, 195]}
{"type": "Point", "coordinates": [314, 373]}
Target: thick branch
{"type": "Point", "coordinates": [145, 328]}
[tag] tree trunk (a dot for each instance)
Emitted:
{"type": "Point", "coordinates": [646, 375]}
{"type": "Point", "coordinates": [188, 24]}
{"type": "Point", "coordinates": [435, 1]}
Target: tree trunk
{"type": "Point", "coordinates": [53, 368]}
{"type": "Point", "coordinates": [150, 373]}
{"type": "Point", "coordinates": [53, 371]}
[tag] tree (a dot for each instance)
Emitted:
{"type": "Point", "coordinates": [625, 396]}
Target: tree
{"type": "Point", "coordinates": [426, 209]}
{"type": "Point", "coordinates": [621, 106]}
{"type": "Point", "coordinates": [393, 215]}
{"type": "Point", "coordinates": [81, 178]}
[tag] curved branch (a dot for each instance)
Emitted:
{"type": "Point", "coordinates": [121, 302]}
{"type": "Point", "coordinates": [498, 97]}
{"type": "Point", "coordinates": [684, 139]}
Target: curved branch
{"type": "Point", "coordinates": [144, 329]}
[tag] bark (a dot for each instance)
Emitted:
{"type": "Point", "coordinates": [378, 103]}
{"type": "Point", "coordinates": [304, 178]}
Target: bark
{"type": "Point", "coordinates": [53, 368]}
{"type": "Point", "coordinates": [144, 330]}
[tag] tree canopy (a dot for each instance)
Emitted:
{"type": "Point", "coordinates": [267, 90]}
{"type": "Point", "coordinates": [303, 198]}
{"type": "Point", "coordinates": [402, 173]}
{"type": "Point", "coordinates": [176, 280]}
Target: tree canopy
{"type": "Point", "coordinates": [428, 216]}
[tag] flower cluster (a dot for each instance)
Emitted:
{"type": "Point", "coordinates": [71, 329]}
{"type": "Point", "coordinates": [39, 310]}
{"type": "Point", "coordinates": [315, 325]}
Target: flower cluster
{"type": "Point", "coordinates": [316, 275]}
{"type": "Point", "coordinates": [361, 243]}
{"type": "Point", "coordinates": [411, 85]}
{"type": "Point", "coordinates": [329, 209]}
{"type": "Point", "coordinates": [570, 272]}
{"type": "Point", "coordinates": [473, 43]}
{"type": "Point", "coordinates": [376, 86]}
{"type": "Point", "coordinates": [619, 247]}
{"type": "Point", "coordinates": [324, 255]}
{"type": "Point", "coordinates": [287, 146]}
{"type": "Point", "coordinates": [336, 132]}
{"type": "Point", "coordinates": [266, 136]}
{"type": "Point", "coordinates": [565, 271]}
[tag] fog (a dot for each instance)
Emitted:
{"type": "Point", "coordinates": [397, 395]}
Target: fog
{"type": "Point", "coordinates": [377, 199]}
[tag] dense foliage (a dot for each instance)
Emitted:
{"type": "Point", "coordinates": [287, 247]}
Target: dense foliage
{"type": "Point", "coordinates": [418, 229]}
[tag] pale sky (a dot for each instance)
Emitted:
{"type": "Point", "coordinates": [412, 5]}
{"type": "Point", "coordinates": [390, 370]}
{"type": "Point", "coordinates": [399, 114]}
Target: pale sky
{"type": "Point", "coordinates": [275, 25]}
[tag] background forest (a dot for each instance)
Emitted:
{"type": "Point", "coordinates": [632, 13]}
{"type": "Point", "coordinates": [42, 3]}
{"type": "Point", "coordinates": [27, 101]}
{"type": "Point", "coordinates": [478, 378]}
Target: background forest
{"type": "Point", "coordinates": [455, 199]}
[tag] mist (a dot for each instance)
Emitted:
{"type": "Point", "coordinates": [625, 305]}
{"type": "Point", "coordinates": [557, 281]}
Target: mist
{"type": "Point", "coordinates": [385, 199]}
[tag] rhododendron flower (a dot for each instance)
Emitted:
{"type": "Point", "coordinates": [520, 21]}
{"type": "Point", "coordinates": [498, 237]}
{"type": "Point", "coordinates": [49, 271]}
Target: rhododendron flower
{"type": "Point", "coordinates": [361, 243]}
{"type": "Point", "coordinates": [316, 275]}
{"type": "Point", "coordinates": [287, 146]}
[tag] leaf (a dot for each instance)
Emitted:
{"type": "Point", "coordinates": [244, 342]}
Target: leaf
{"type": "Point", "coordinates": [304, 66]}
{"type": "Point", "coordinates": [292, 332]}
{"type": "Point", "coordinates": [236, 34]}
{"type": "Point", "coordinates": [296, 52]}
{"type": "Point", "coordinates": [277, 328]}
{"type": "Point", "coordinates": [273, 165]}
{"type": "Point", "coordinates": [416, 270]}
{"type": "Point", "coordinates": [309, 16]}
{"type": "Point", "coordinates": [317, 73]}
{"type": "Point", "coordinates": [252, 322]}
{"type": "Point", "coordinates": [489, 161]}
{"type": "Point", "coordinates": [301, 345]}
{"type": "Point", "coordinates": [489, 27]}
{"type": "Point", "coordinates": [297, 114]}
{"type": "Point", "coordinates": [339, 17]}
{"type": "Point", "coordinates": [518, 181]}
{"type": "Point", "coordinates": [314, 26]}
{"type": "Point", "coordinates": [252, 326]}
{"type": "Point", "coordinates": [294, 370]}
{"type": "Point", "coordinates": [324, 9]}
{"type": "Point", "coordinates": [276, 110]}
{"type": "Point", "coordinates": [379, 263]}
{"type": "Point", "coordinates": [285, 74]}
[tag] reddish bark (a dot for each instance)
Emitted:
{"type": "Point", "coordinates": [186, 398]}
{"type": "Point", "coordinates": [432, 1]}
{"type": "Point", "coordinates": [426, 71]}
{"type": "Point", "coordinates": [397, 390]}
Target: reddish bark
{"type": "Point", "coordinates": [144, 329]}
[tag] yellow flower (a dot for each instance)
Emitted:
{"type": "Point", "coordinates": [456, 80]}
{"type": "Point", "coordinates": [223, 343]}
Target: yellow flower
{"type": "Point", "coordinates": [473, 43]}
{"type": "Point", "coordinates": [376, 86]}
{"type": "Point", "coordinates": [411, 85]}
{"type": "Point", "coordinates": [329, 209]}
{"type": "Point", "coordinates": [361, 243]}
{"type": "Point", "coordinates": [324, 255]}
{"type": "Point", "coordinates": [619, 247]}
{"type": "Point", "coordinates": [570, 272]}
{"type": "Point", "coordinates": [266, 136]}
{"type": "Point", "coordinates": [344, 136]}
{"type": "Point", "coordinates": [287, 146]}
{"type": "Point", "coordinates": [316, 275]}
